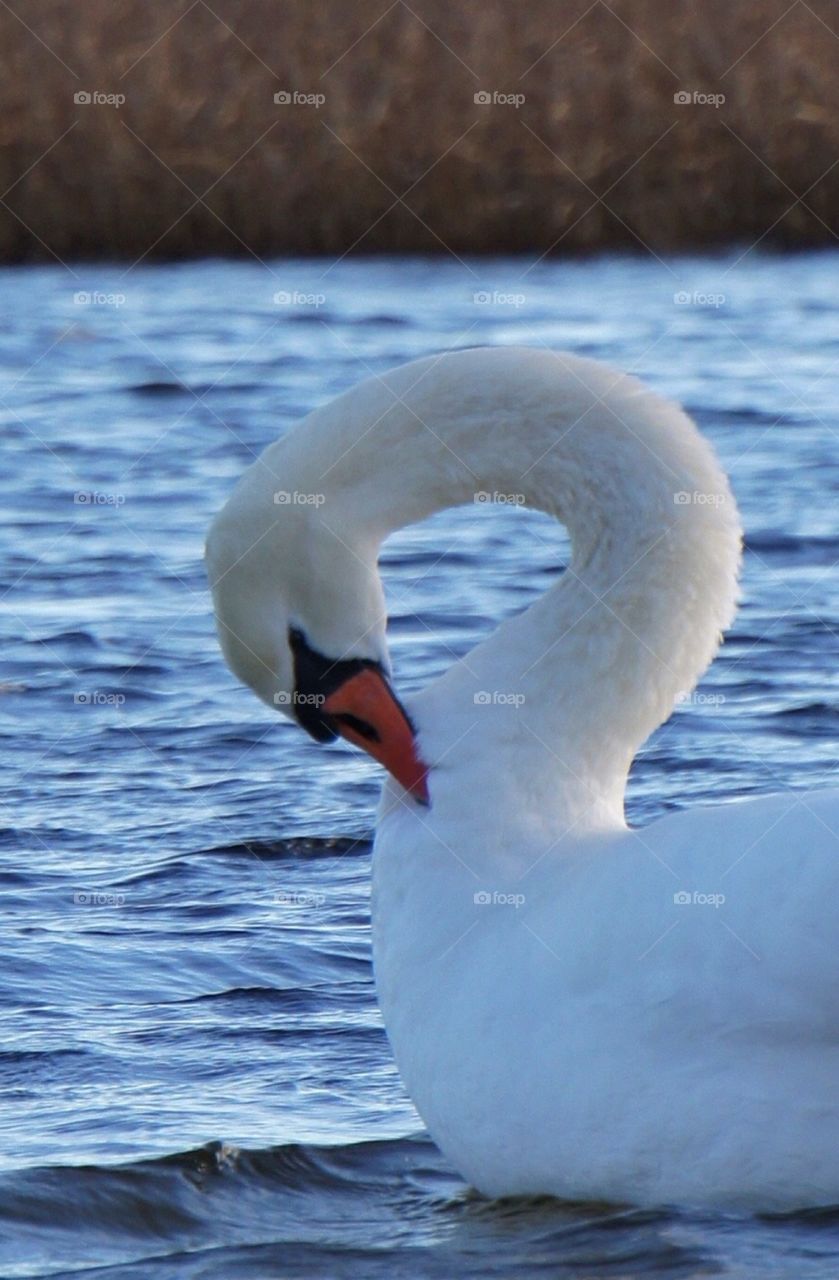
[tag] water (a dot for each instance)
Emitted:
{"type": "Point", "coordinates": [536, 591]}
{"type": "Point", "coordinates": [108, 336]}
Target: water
{"type": "Point", "coordinates": [196, 1081]}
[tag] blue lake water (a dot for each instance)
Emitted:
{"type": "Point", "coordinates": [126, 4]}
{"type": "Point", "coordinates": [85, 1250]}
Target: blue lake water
{"type": "Point", "coordinates": [195, 1078]}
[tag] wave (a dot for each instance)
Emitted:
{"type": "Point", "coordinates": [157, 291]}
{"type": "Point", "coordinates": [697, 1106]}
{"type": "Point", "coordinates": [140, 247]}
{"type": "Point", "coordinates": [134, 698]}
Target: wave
{"type": "Point", "coordinates": [810, 548]}
{"type": "Point", "coordinates": [374, 1209]}
{"type": "Point", "coordinates": [211, 1197]}
{"type": "Point", "coordinates": [296, 847]}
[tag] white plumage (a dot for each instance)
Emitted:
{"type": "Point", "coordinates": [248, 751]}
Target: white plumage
{"type": "Point", "coordinates": [575, 1007]}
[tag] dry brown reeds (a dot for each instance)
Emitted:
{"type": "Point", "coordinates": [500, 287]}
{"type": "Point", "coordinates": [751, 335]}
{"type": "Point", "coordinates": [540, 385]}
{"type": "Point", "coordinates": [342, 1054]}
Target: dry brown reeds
{"type": "Point", "coordinates": [200, 159]}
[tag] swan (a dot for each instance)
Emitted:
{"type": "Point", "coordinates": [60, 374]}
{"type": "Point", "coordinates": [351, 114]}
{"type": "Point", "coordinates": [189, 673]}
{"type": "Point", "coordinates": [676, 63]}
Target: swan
{"type": "Point", "coordinates": [576, 1007]}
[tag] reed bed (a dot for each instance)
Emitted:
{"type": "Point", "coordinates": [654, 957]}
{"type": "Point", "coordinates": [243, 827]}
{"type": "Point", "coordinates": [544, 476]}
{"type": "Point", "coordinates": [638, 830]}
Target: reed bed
{"type": "Point", "coordinates": [388, 142]}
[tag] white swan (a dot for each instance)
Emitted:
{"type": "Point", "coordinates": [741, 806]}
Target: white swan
{"type": "Point", "coordinates": [572, 1007]}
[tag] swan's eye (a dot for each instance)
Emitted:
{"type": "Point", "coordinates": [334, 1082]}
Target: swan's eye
{"type": "Point", "coordinates": [361, 727]}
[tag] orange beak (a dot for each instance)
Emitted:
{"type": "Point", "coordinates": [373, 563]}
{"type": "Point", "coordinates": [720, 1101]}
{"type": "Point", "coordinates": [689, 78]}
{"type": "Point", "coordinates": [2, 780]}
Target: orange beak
{"type": "Point", "coordinates": [365, 711]}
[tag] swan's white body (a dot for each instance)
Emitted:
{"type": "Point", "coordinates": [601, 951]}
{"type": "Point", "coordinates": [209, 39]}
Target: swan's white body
{"type": "Point", "coordinates": [564, 1021]}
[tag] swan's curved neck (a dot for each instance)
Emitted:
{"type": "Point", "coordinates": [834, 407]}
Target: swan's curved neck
{"type": "Point", "coordinates": [577, 682]}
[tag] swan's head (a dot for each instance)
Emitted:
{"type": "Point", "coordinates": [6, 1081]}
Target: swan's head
{"type": "Point", "coordinates": [301, 619]}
